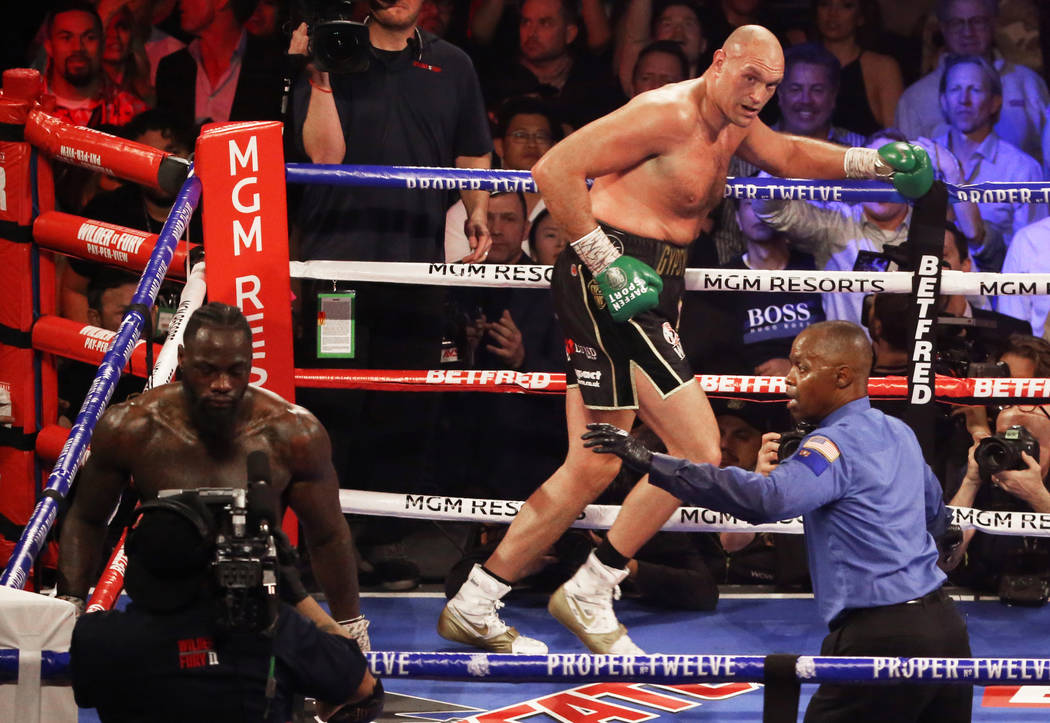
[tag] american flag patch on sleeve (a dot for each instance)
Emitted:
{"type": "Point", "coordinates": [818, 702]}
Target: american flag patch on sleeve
{"type": "Point", "coordinates": [817, 453]}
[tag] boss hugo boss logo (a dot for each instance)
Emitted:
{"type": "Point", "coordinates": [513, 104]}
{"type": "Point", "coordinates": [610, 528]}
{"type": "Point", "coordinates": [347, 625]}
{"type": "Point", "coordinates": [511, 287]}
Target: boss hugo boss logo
{"type": "Point", "coordinates": [775, 314]}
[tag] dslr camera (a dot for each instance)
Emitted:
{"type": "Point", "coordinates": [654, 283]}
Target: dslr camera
{"type": "Point", "coordinates": [338, 44]}
{"type": "Point", "coordinates": [790, 441]}
{"type": "Point", "coordinates": [1002, 452]}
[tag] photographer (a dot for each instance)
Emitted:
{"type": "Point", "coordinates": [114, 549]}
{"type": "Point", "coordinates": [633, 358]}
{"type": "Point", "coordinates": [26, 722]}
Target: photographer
{"type": "Point", "coordinates": [1007, 472]}
{"type": "Point", "coordinates": [872, 511]}
{"type": "Point", "coordinates": [197, 644]}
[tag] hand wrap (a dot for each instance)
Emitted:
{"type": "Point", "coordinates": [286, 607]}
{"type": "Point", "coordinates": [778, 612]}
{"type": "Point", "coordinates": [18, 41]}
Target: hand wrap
{"type": "Point", "coordinates": [629, 286]}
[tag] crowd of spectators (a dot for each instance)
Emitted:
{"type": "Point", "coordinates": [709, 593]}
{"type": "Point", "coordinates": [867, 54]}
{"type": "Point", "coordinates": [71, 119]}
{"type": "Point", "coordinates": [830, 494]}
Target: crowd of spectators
{"type": "Point", "coordinates": [496, 83]}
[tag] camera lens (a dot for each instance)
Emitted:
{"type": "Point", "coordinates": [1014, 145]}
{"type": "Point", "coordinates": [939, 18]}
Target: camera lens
{"type": "Point", "coordinates": [340, 46]}
{"type": "Point", "coordinates": [994, 455]}
{"type": "Point", "coordinates": [336, 46]}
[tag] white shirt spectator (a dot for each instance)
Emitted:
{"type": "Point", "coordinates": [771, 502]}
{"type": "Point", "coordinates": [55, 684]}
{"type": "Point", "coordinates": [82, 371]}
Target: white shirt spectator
{"type": "Point", "coordinates": [1028, 255]}
{"type": "Point", "coordinates": [1021, 121]}
{"type": "Point", "coordinates": [834, 234]}
{"type": "Point", "coordinates": [997, 160]}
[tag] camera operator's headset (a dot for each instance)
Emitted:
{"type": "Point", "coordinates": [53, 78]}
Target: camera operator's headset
{"type": "Point", "coordinates": [205, 527]}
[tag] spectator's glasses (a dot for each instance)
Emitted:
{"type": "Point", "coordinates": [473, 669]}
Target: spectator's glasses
{"type": "Point", "coordinates": [976, 23]}
{"type": "Point", "coordinates": [1026, 409]}
{"type": "Point", "coordinates": [540, 138]}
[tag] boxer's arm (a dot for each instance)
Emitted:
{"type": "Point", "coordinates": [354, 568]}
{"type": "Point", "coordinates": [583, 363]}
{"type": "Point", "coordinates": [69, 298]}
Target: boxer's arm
{"type": "Point", "coordinates": [313, 494]}
{"type": "Point", "coordinates": [622, 139]}
{"type": "Point", "coordinates": [103, 477]}
{"type": "Point", "coordinates": [788, 156]}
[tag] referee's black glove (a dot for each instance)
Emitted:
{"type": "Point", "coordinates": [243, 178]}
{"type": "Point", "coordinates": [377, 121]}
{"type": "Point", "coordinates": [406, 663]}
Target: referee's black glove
{"type": "Point", "coordinates": [607, 439]}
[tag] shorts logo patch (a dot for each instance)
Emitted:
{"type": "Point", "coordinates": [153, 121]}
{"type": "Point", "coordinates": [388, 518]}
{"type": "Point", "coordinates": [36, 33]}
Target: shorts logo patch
{"type": "Point", "coordinates": [572, 270]}
{"type": "Point", "coordinates": [587, 352]}
{"type": "Point", "coordinates": [672, 338]}
{"type": "Point", "coordinates": [817, 453]}
{"type": "Point", "coordinates": [596, 292]}
{"type": "Point", "coordinates": [587, 378]}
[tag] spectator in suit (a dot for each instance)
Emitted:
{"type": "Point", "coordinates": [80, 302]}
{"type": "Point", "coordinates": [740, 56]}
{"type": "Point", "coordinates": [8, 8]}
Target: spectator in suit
{"type": "Point", "coordinates": [225, 73]}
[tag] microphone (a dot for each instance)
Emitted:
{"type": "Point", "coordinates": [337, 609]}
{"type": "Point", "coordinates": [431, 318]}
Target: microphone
{"type": "Point", "coordinates": [260, 501]}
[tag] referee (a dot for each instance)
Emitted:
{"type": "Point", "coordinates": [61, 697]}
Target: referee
{"type": "Point", "coordinates": [872, 510]}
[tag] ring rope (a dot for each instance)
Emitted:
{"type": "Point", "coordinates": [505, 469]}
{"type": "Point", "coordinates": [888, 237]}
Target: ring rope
{"type": "Point", "coordinates": [34, 534]}
{"type": "Point", "coordinates": [657, 668]}
{"type": "Point", "coordinates": [654, 668]}
{"type": "Point", "coordinates": [683, 519]}
{"type": "Point", "coordinates": [534, 276]}
{"type": "Point", "coordinates": [766, 188]}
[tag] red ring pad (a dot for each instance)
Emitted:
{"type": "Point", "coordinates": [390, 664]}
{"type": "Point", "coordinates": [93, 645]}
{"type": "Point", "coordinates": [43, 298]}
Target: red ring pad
{"type": "Point", "coordinates": [93, 149]}
{"type": "Point", "coordinates": [72, 340]}
{"type": "Point", "coordinates": [106, 243]}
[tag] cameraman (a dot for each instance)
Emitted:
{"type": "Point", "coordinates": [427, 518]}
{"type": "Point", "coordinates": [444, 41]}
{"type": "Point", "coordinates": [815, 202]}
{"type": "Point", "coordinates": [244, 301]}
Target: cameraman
{"type": "Point", "coordinates": [410, 99]}
{"type": "Point", "coordinates": [172, 655]}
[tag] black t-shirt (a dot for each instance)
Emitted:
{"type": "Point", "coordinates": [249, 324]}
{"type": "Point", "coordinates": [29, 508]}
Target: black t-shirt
{"type": "Point", "coordinates": [135, 666]}
{"type": "Point", "coordinates": [401, 111]}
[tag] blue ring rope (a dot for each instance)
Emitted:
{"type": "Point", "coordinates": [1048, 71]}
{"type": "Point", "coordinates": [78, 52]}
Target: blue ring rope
{"type": "Point", "coordinates": [447, 179]}
{"type": "Point", "coordinates": [669, 669]}
{"type": "Point", "coordinates": [114, 361]}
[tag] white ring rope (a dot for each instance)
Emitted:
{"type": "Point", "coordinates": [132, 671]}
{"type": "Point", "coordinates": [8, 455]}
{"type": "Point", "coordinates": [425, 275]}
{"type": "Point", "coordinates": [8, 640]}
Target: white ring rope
{"type": "Point", "coordinates": [787, 280]}
{"type": "Point", "coordinates": [684, 519]}
{"type": "Point", "coordinates": [190, 300]}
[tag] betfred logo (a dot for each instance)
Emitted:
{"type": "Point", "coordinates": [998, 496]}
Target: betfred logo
{"type": "Point", "coordinates": [600, 702]}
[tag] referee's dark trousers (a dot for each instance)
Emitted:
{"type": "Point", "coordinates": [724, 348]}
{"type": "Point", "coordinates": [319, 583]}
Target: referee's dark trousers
{"type": "Point", "coordinates": [930, 626]}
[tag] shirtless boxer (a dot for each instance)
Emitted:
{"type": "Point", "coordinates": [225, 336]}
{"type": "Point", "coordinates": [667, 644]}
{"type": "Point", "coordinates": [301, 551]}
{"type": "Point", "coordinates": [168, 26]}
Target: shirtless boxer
{"type": "Point", "coordinates": [659, 166]}
{"type": "Point", "coordinates": [198, 433]}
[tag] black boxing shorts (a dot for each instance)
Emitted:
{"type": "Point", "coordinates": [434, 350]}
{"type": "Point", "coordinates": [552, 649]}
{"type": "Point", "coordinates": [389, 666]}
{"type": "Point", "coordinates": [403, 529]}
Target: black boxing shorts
{"type": "Point", "coordinates": [601, 353]}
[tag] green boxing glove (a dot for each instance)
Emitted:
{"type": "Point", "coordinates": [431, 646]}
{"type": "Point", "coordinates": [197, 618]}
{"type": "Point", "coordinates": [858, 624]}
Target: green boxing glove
{"type": "Point", "coordinates": [629, 286]}
{"type": "Point", "coordinates": [912, 169]}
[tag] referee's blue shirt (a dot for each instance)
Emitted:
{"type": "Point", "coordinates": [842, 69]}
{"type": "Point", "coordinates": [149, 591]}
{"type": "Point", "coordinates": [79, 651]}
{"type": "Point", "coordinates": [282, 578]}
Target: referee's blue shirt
{"type": "Point", "coordinates": [868, 499]}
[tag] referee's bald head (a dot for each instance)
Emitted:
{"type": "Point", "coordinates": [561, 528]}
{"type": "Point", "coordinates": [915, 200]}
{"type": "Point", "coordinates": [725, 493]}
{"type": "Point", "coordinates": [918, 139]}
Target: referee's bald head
{"type": "Point", "coordinates": [842, 344]}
